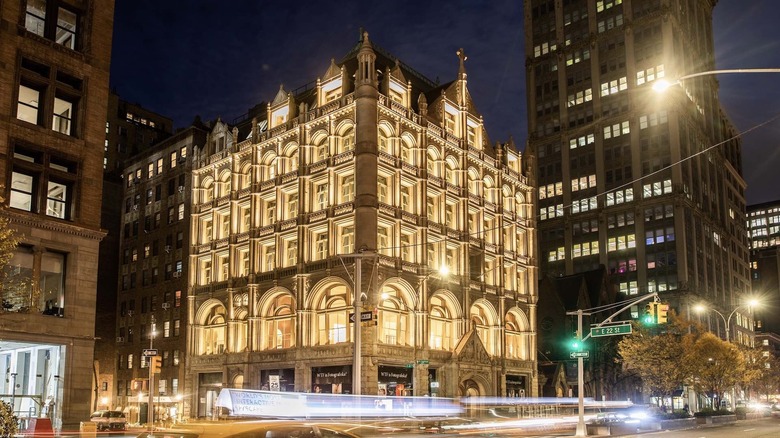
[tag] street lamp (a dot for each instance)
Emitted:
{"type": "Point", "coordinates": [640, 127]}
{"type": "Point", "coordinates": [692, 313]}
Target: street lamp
{"type": "Point", "coordinates": [662, 85]}
{"type": "Point", "coordinates": [701, 308]}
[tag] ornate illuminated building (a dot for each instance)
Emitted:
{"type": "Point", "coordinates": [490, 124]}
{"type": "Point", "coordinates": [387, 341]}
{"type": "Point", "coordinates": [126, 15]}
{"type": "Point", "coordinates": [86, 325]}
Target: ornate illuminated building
{"type": "Point", "coordinates": [372, 159]}
{"type": "Point", "coordinates": [649, 185]}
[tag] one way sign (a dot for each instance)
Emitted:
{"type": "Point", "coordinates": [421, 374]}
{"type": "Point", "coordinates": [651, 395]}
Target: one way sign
{"type": "Point", "coordinates": [364, 316]}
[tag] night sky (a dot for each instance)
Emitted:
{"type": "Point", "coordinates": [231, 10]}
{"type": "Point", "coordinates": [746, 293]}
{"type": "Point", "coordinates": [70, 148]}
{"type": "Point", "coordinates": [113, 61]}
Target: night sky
{"type": "Point", "coordinates": [219, 58]}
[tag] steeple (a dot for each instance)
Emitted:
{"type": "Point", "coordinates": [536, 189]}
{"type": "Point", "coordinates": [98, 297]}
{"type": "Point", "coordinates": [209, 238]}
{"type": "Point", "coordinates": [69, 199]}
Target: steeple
{"type": "Point", "coordinates": [462, 68]}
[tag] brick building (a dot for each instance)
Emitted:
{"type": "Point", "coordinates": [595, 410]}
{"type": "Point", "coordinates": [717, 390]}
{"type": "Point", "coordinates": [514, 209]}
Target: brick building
{"type": "Point", "coordinates": [55, 57]}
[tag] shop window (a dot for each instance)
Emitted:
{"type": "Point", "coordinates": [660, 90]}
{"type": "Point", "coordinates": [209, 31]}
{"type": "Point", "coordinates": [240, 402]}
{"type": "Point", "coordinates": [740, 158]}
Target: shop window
{"type": "Point", "coordinates": [279, 324]}
{"type": "Point", "coordinates": [332, 317]}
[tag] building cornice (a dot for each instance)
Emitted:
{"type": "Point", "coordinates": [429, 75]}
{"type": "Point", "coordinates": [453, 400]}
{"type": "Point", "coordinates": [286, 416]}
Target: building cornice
{"type": "Point", "coordinates": [26, 220]}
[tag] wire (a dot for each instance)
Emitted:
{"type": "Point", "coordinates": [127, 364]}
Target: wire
{"type": "Point", "coordinates": [604, 193]}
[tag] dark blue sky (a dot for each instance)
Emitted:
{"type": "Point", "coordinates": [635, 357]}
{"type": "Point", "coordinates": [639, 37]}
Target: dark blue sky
{"type": "Point", "coordinates": [213, 58]}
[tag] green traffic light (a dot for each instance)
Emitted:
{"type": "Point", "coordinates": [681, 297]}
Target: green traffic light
{"type": "Point", "coordinates": [648, 319]}
{"type": "Point", "coordinates": [575, 344]}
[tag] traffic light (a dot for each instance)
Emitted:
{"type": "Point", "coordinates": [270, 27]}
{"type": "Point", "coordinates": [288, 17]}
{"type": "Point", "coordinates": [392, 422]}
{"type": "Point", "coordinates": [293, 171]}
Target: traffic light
{"type": "Point", "coordinates": [662, 310]}
{"type": "Point", "coordinates": [576, 344]}
{"type": "Point", "coordinates": [154, 364]}
{"type": "Point", "coordinates": [651, 313]}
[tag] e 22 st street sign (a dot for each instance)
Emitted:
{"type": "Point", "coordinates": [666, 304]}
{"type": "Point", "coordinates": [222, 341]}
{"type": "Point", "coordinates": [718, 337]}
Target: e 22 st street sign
{"type": "Point", "coordinates": [610, 330]}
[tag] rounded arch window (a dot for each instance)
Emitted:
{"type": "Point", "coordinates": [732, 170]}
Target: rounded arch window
{"type": "Point", "coordinates": [214, 331]}
{"type": "Point", "coordinates": [332, 313]}
{"type": "Point", "coordinates": [279, 323]}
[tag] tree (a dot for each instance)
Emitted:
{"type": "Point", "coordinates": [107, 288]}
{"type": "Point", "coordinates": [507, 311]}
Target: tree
{"type": "Point", "coordinates": [715, 365]}
{"type": "Point", "coordinates": [767, 383]}
{"type": "Point", "coordinates": [8, 242]}
{"type": "Point", "coordinates": [8, 421]}
{"type": "Point", "coordinates": [655, 353]}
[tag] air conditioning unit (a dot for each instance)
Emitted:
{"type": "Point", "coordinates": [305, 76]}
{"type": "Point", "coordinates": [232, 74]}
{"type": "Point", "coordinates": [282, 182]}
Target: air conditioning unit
{"type": "Point", "coordinates": [135, 207]}
{"type": "Point", "coordinates": [168, 248]}
{"type": "Point", "coordinates": [181, 189]}
{"type": "Point", "coordinates": [129, 313]}
{"type": "Point", "coordinates": [120, 339]}
{"type": "Point", "coordinates": [137, 181]}
{"type": "Point", "coordinates": [182, 159]}
{"type": "Point", "coordinates": [177, 274]}
{"type": "Point", "coordinates": [166, 306]}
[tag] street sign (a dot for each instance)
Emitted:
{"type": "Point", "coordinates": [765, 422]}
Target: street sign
{"type": "Point", "coordinates": [150, 352]}
{"type": "Point", "coordinates": [578, 354]}
{"type": "Point", "coordinates": [423, 362]}
{"type": "Point", "coordinates": [610, 330]}
{"type": "Point", "coordinates": [409, 365]}
{"type": "Point", "coordinates": [364, 316]}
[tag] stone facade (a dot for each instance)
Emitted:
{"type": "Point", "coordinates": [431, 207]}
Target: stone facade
{"type": "Point", "coordinates": [55, 58]}
{"type": "Point", "coordinates": [378, 167]}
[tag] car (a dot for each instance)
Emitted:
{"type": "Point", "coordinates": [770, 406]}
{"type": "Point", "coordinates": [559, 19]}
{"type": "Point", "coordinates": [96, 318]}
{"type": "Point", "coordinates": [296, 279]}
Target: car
{"type": "Point", "coordinates": [251, 429]}
{"type": "Point", "coordinates": [109, 420]}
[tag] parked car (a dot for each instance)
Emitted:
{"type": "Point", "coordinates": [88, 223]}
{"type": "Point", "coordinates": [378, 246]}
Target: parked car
{"type": "Point", "coordinates": [109, 420]}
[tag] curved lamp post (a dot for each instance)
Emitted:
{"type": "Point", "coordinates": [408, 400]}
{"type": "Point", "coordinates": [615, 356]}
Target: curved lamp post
{"type": "Point", "coordinates": [750, 304]}
{"type": "Point", "coordinates": [701, 308]}
{"type": "Point", "coordinates": [662, 85]}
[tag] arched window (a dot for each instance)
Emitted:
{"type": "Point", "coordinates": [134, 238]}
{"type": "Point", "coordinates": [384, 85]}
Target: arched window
{"type": "Point", "coordinates": [451, 171]}
{"type": "Point", "coordinates": [346, 139]}
{"type": "Point", "coordinates": [407, 143]}
{"type": "Point", "coordinates": [290, 162]}
{"type": "Point", "coordinates": [319, 143]}
{"type": "Point", "coordinates": [521, 206]}
{"type": "Point", "coordinates": [207, 191]}
{"type": "Point", "coordinates": [272, 169]}
{"type": "Point", "coordinates": [279, 323]}
{"type": "Point", "coordinates": [442, 331]}
{"type": "Point", "coordinates": [490, 192]}
{"type": "Point", "coordinates": [222, 188]}
{"type": "Point", "coordinates": [245, 177]}
{"type": "Point", "coordinates": [385, 142]}
{"type": "Point", "coordinates": [394, 320]}
{"type": "Point", "coordinates": [332, 310]}
{"type": "Point", "coordinates": [473, 181]}
{"type": "Point", "coordinates": [432, 163]}
{"type": "Point", "coordinates": [509, 204]}
{"type": "Point", "coordinates": [483, 324]}
{"type": "Point", "coordinates": [516, 336]}
{"type": "Point", "coordinates": [214, 331]}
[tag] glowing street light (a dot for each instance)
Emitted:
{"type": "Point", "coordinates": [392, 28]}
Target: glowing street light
{"type": "Point", "coordinates": [750, 304]}
{"type": "Point", "coordinates": [662, 85]}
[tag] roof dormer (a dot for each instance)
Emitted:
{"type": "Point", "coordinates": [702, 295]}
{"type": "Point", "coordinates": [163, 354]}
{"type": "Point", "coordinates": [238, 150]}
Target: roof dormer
{"type": "Point", "coordinates": [398, 89]}
{"type": "Point", "coordinates": [279, 109]}
{"type": "Point", "coordinates": [331, 87]}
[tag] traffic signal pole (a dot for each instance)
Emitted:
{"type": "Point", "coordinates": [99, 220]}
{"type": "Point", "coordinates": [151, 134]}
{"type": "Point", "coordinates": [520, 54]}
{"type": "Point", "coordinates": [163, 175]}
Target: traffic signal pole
{"type": "Point", "coordinates": [582, 430]}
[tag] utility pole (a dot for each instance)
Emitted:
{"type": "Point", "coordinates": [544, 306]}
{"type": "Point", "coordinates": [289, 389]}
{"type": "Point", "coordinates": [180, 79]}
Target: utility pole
{"type": "Point", "coordinates": [582, 430]}
{"type": "Point", "coordinates": [150, 412]}
{"type": "Point", "coordinates": [357, 356]}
